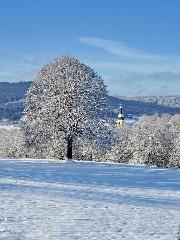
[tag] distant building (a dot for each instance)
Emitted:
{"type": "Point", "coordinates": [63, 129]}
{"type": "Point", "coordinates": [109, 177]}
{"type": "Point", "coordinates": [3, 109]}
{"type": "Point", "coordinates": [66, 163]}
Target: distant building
{"type": "Point", "coordinates": [120, 120]}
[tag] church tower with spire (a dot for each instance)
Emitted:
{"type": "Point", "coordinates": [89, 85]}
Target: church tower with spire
{"type": "Point", "coordinates": [120, 120]}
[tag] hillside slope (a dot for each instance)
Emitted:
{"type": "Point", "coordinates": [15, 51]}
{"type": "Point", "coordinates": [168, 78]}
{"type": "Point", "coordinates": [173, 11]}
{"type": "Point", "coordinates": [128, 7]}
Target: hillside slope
{"type": "Point", "coordinates": [10, 92]}
{"type": "Point", "coordinates": [140, 107]}
{"type": "Point", "coordinates": [170, 101]}
{"type": "Point", "coordinates": [12, 97]}
{"type": "Point", "coordinates": [51, 200]}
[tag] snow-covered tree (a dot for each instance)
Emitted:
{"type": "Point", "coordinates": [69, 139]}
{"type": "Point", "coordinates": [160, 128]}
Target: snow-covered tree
{"type": "Point", "coordinates": [153, 140]}
{"type": "Point", "coordinates": [67, 99]}
{"type": "Point", "coordinates": [175, 153]}
{"type": "Point", "coordinates": [11, 143]}
{"type": "Point", "coordinates": [88, 149]}
{"type": "Point", "coordinates": [96, 149]}
{"type": "Point", "coordinates": [54, 148]}
{"type": "Point", "coordinates": [120, 151]}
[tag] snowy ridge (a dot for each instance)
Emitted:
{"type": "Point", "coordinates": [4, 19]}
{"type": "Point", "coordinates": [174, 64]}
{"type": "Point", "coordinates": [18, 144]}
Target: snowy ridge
{"type": "Point", "coordinates": [44, 199]}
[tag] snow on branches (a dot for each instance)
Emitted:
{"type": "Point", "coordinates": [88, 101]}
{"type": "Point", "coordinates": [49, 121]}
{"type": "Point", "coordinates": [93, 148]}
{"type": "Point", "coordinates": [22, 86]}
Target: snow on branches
{"type": "Point", "coordinates": [11, 143]}
{"type": "Point", "coordinates": [153, 140]}
{"type": "Point", "coordinates": [66, 100]}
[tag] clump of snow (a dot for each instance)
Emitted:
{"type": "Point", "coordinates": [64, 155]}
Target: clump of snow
{"type": "Point", "coordinates": [46, 200]}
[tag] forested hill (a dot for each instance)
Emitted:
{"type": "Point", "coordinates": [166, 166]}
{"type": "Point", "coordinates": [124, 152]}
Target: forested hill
{"type": "Point", "coordinates": [12, 99]}
{"type": "Point", "coordinates": [12, 102]}
{"type": "Point", "coordinates": [13, 91]}
{"type": "Point", "coordinates": [170, 101]}
{"type": "Point", "coordinates": [138, 108]}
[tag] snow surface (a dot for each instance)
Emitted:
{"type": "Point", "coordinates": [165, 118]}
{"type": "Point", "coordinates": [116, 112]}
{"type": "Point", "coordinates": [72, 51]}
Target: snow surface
{"type": "Point", "coordinates": [9, 127]}
{"type": "Point", "coordinates": [48, 200]}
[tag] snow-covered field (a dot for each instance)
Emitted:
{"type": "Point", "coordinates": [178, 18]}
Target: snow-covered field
{"type": "Point", "coordinates": [51, 200]}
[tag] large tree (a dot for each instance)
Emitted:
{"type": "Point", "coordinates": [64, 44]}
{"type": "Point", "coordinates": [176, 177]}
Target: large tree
{"type": "Point", "coordinates": [67, 99]}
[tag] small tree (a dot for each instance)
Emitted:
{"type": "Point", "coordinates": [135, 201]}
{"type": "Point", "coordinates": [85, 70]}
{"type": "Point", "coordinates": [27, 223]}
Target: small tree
{"type": "Point", "coordinates": [66, 99]}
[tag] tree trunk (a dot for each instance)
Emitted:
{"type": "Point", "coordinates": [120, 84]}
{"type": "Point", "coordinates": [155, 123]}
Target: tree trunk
{"type": "Point", "coordinates": [69, 148]}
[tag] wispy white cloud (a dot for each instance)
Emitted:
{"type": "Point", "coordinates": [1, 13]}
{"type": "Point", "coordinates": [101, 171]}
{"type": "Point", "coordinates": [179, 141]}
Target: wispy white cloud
{"type": "Point", "coordinates": [130, 58]}
{"type": "Point", "coordinates": [120, 49]}
{"type": "Point", "coordinates": [133, 71]}
{"type": "Point", "coordinates": [145, 67]}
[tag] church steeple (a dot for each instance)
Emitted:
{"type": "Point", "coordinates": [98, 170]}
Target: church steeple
{"type": "Point", "coordinates": [120, 120]}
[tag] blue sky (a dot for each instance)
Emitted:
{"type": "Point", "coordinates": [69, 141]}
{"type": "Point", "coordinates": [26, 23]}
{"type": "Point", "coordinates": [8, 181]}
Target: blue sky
{"type": "Point", "coordinates": [132, 44]}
